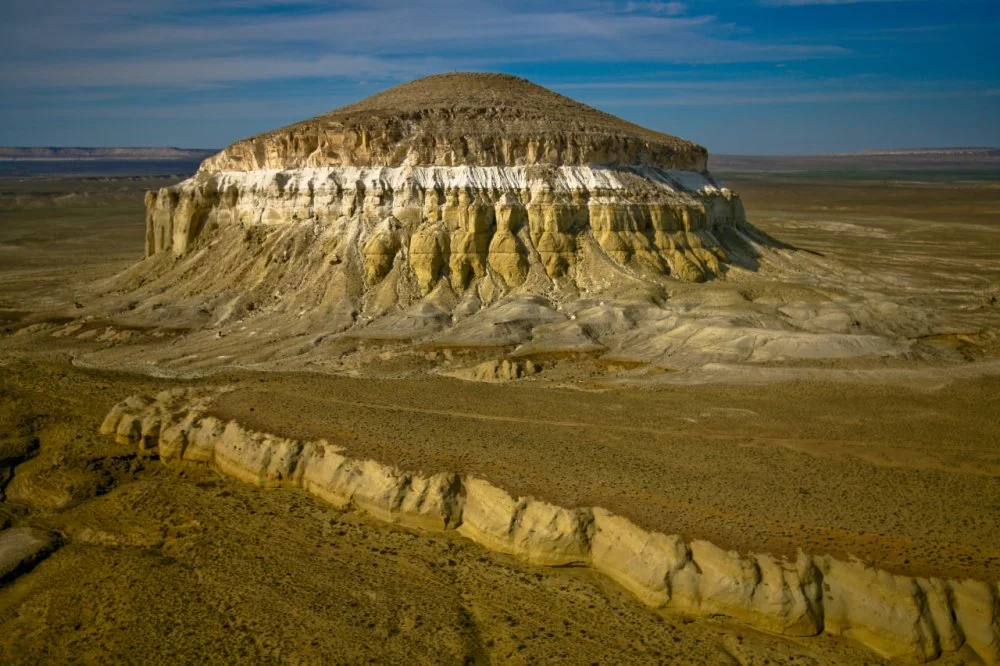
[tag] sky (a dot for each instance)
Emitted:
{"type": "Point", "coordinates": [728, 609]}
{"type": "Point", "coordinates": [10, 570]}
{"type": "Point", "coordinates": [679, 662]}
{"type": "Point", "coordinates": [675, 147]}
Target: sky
{"type": "Point", "coordinates": [738, 76]}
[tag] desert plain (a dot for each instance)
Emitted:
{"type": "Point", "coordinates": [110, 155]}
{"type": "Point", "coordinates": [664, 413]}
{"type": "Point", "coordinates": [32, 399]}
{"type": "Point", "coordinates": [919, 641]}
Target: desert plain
{"type": "Point", "coordinates": [890, 458]}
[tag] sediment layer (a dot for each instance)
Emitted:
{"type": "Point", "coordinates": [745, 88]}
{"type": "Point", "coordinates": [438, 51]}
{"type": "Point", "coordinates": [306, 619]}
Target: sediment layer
{"type": "Point", "coordinates": [471, 181]}
{"type": "Point", "coordinates": [915, 619]}
{"type": "Point", "coordinates": [467, 224]}
{"type": "Point", "coordinates": [461, 119]}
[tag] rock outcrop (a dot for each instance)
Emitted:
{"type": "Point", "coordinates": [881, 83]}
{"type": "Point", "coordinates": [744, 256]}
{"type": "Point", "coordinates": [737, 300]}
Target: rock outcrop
{"type": "Point", "coordinates": [461, 119]}
{"type": "Point", "coordinates": [913, 619]}
{"type": "Point", "coordinates": [464, 223]}
{"type": "Point", "coordinates": [23, 547]}
{"type": "Point", "coordinates": [466, 179]}
{"type": "Point", "coordinates": [473, 211]}
{"type": "Point", "coordinates": [13, 451]}
{"type": "Point", "coordinates": [500, 370]}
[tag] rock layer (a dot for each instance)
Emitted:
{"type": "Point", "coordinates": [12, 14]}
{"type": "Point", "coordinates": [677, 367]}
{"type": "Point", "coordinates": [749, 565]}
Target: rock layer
{"type": "Point", "coordinates": [23, 547]}
{"type": "Point", "coordinates": [465, 224]}
{"type": "Point", "coordinates": [466, 183]}
{"type": "Point", "coordinates": [461, 119]}
{"type": "Point", "coordinates": [915, 619]}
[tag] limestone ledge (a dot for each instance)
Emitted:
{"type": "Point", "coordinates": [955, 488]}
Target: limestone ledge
{"type": "Point", "coordinates": [461, 118]}
{"type": "Point", "coordinates": [323, 143]}
{"type": "Point", "coordinates": [461, 223]}
{"type": "Point", "coordinates": [912, 619]}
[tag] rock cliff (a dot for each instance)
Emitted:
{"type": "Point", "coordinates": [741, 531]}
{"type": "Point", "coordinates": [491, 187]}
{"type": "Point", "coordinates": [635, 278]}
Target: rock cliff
{"type": "Point", "coordinates": [476, 180]}
{"type": "Point", "coordinates": [475, 210]}
{"type": "Point", "coordinates": [468, 223]}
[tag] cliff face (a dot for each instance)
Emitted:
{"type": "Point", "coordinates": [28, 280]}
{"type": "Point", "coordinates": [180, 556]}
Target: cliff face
{"type": "Point", "coordinates": [466, 224]}
{"type": "Point", "coordinates": [469, 181]}
{"type": "Point", "coordinates": [395, 142]}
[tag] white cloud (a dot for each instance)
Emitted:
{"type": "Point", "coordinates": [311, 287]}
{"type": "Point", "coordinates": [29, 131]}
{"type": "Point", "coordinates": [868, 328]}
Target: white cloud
{"type": "Point", "coordinates": [668, 8]}
{"type": "Point", "coordinates": [776, 90]}
{"type": "Point", "coordinates": [198, 71]}
{"type": "Point", "coordinates": [804, 3]}
{"type": "Point", "coordinates": [122, 43]}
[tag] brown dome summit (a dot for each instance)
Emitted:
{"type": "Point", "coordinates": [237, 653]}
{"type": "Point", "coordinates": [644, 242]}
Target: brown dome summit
{"type": "Point", "coordinates": [461, 119]}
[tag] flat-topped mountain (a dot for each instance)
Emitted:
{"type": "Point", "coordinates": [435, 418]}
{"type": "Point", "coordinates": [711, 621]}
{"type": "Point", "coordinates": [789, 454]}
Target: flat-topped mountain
{"type": "Point", "coordinates": [462, 119]}
{"type": "Point", "coordinates": [485, 181]}
{"type": "Point", "coordinates": [463, 210]}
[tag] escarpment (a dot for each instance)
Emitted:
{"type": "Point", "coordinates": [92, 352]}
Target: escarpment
{"type": "Point", "coordinates": [476, 211]}
{"type": "Point", "coordinates": [476, 181]}
{"type": "Point", "coordinates": [467, 224]}
{"type": "Point", "coordinates": [899, 617]}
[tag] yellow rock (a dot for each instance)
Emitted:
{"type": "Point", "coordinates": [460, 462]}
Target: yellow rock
{"type": "Point", "coordinates": [428, 248]}
{"type": "Point", "coordinates": [896, 616]}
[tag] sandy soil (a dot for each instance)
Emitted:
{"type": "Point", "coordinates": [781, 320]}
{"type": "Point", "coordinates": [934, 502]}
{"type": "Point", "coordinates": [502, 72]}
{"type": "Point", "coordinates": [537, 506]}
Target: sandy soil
{"type": "Point", "coordinates": [896, 461]}
{"type": "Point", "coordinates": [58, 235]}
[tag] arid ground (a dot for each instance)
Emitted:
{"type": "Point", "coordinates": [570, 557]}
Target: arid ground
{"type": "Point", "coordinates": [893, 460]}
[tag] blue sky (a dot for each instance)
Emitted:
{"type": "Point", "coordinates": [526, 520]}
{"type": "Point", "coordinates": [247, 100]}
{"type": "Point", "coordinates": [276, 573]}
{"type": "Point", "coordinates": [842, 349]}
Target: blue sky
{"type": "Point", "coordinates": [751, 76]}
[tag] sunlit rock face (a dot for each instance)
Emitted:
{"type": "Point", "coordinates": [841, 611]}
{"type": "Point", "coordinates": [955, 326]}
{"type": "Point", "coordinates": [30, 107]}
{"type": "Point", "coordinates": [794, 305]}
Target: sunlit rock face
{"type": "Point", "coordinates": [462, 223]}
{"type": "Point", "coordinates": [472, 211]}
{"type": "Point", "coordinates": [472, 180]}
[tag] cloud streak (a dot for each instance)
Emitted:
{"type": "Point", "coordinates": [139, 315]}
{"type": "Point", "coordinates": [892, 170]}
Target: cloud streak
{"type": "Point", "coordinates": [210, 71]}
{"type": "Point", "coordinates": [775, 91]}
{"type": "Point", "coordinates": [109, 45]}
{"type": "Point", "coordinates": [807, 3]}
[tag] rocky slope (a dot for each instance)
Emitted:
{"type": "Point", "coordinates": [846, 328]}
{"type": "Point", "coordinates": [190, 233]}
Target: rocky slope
{"type": "Point", "coordinates": [461, 119]}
